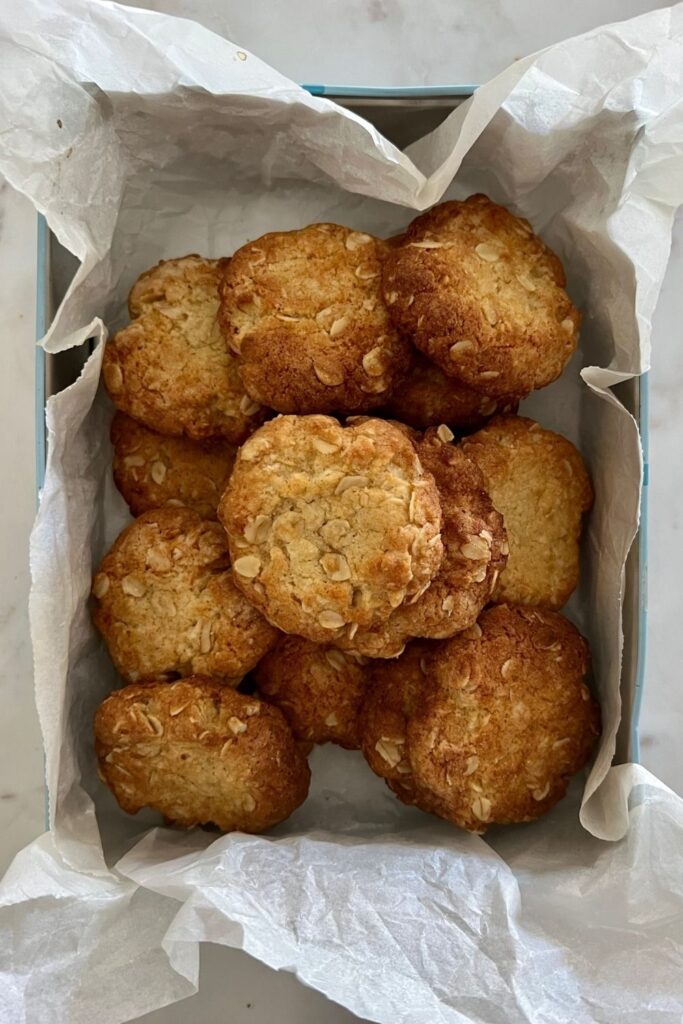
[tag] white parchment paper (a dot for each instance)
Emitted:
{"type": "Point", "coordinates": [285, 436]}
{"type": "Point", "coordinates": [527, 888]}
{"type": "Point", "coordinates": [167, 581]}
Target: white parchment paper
{"type": "Point", "coordinates": [140, 137]}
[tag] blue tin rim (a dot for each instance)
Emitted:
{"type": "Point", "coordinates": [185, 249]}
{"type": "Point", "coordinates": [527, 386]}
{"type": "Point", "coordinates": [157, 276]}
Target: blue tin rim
{"type": "Point", "coordinates": [390, 92]}
{"type": "Point", "coordinates": [42, 245]}
{"type": "Point", "coordinates": [43, 236]}
{"type": "Point", "coordinates": [644, 425]}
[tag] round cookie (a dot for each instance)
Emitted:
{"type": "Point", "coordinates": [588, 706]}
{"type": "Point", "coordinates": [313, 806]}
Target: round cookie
{"type": "Point", "coordinates": [427, 398]}
{"type": "Point", "coordinates": [539, 482]}
{"type": "Point", "coordinates": [304, 311]}
{"type": "Point", "coordinates": [483, 297]}
{"type": "Point", "coordinates": [319, 689]}
{"type": "Point", "coordinates": [167, 606]}
{"type": "Point", "coordinates": [152, 470]}
{"type": "Point", "coordinates": [475, 553]}
{"type": "Point", "coordinates": [506, 721]}
{"type": "Point", "coordinates": [169, 368]}
{"type": "Point", "coordinates": [330, 527]}
{"type": "Point", "coordinates": [200, 754]}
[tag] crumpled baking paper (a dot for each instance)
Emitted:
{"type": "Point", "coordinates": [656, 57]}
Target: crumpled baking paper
{"type": "Point", "coordinates": [141, 136]}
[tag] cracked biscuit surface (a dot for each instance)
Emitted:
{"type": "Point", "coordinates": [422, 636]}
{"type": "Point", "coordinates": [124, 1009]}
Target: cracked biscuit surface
{"type": "Point", "coordinates": [475, 553]}
{"type": "Point", "coordinates": [330, 527]}
{"type": "Point", "coordinates": [428, 398]}
{"type": "Point", "coordinates": [318, 688]}
{"type": "Point", "coordinates": [539, 482]}
{"type": "Point", "coordinates": [200, 753]}
{"type": "Point", "coordinates": [169, 368]}
{"type": "Point", "coordinates": [483, 297]}
{"type": "Point", "coordinates": [506, 720]}
{"type": "Point", "coordinates": [166, 604]}
{"type": "Point", "coordinates": [304, 311]}
{"type": "Point", "coordinates": [153, 470]}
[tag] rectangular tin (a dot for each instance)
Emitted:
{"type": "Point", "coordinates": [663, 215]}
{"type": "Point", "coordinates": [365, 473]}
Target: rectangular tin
{"type": "Point", "coordinates": [401, 115]}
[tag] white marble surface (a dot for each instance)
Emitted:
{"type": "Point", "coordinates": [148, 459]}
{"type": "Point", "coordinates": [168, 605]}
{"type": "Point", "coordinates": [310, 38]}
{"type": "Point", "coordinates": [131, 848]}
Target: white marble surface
{"type": "Point", "coordinates": [371, 42]}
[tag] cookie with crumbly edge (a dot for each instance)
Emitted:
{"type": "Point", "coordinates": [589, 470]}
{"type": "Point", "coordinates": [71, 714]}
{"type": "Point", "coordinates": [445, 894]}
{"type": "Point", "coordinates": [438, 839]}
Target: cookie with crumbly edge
{"type": "Point", "coordinates": [427, 398]}
{"type": "Point", "coordinates": [200, 754]}
{"type": "Point", "coordinates": [166, 604]}
{"type": "Point", "coordinates": [153, 470]}
{"type": "Point", "coordinates": [506, 719]}
{"type": "Point", "coordinates": [475, 553]}
{"type": "Point", "coordinates": [318, 688]}
{"type": "Point", "coordinates": [395, 689]}
{"type": "Point", "coordinates": [483, 297]}
{"type": "Point", "coordinates": [304, 312]}
{"type": "Point", "coordinates": [330, 527]}
{"type": "Point", "coordinates": [538, 481]}
{"type": "Point", "coordinates": [169, 368]}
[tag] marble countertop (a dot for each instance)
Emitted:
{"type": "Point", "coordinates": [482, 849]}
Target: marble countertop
{"type": "Point", "coordinates": [369, 42]}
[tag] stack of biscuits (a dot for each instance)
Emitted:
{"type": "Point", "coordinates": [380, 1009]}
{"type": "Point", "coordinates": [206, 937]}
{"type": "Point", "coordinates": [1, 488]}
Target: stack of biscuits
{"type": "Point", "coordinates": [344, 532]}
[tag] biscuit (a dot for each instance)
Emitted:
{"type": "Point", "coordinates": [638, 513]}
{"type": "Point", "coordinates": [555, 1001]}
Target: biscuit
{"type": "Point", "coordinates": [475, 553]}
{"type": "Point", "coordinates": [152, 470]}
{"type": "Point", "coordinates": [506, 719]}
{"type": "Point", "coordinates": [200, 754]}
{"type": "Point", "coordinates": [318, 688]}
{"type": "Point", "coordinates": [304, 311]}
{"type": "Point", "coordinates": [483, 297]}
{"type": "Point", "coordinates": [427, 397]}
{"type": "Point", "coordinates": [538, 480]}
{"type": "Point", "coordinates": [330, 527]}
{"type": "Point", "coordinates": [167, 606]}
{"type": "Point", "coordinates": [395, 691]}
{"type": "Point", "coordinates": [169, 368]}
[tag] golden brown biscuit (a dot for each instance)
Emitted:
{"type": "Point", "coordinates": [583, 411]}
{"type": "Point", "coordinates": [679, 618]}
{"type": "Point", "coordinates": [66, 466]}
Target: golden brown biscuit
{"type": "Point", "coordinates": [330, 527]}
{"type": "Point", "coordinates": [318, 688]}
{"type": "Point", "coordinates": [304, 311]}
{"type": "Point", "coordinates": [169, 368]}
{"type": "Point", "coordinates": [427, 397]}
{"type": "Point", "coordinates": [538, 480]}
{"type": "Point", "coordinates": [167, 606]}
{"type": "Point", "coordinates": [200, 754]}
{"type": "Point", "coordinates": [483, 297]}
{"type": "Point", "coordinates": [475, 553]}
{"type": "Point", "coordinates": [396, 689]}
{"type": "Point", "coordinates": [152, 470]}
{"type": "Point", "coordinates": [506, 720]}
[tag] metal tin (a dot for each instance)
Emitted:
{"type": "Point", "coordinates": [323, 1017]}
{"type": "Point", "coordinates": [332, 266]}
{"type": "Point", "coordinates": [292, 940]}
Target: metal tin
{"type": "Point", "coordinates": [401, 115]}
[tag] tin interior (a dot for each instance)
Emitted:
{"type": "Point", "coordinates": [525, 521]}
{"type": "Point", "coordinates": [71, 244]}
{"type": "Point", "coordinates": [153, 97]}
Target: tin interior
{"type": "Point", "coordinates": [402, 119]}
